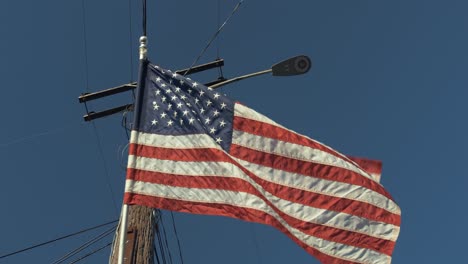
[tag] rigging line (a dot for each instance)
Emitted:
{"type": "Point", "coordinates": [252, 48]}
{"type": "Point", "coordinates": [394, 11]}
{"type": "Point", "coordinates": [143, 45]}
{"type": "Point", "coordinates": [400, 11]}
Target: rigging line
{"type": "Point", "coordinates": [56, 239]}
{"type": "Point", "coordinates": [217, 26]}
{"type": "Point", "coordinates": [159, 236]}
{"type": "Point", "coordinates": [130, 34]}
{"type": "Point", "coordinates": [91, 253]}
{"type": "Point", "coordinates": [165, 239]}
{"type": "Point", "coordinates": [155, 228]}
{"type": "Point", "coordinates": [214, 36]}
{"type": "Point", "coordinates": [85, 44]}
{"type": "Point", "coordinates": [257, 248]}
{"type": "Point", "coordinates": [87, 90]}
{"type": "Point", "coordinates": [41, 134]}
{"type": "Point", "coordinates": [177, 237]}
{"type": "Point", "coordinates": [85, 245]}
{"type": "Point", "coordinates": [161, 246]}
{"type": "Point", "coordinates": [144, 17]}
{"type": "Point", "coordinates": [101, 152]}
{"type": "Point", "coordinates": [220, 69]}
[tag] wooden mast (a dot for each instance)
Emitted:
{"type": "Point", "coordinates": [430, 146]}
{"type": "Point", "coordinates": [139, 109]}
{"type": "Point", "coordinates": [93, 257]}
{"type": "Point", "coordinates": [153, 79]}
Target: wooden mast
{"type": "Point", "coordinates": [137, 224]}
{"type": "Point", "coordinates": [139, 241]}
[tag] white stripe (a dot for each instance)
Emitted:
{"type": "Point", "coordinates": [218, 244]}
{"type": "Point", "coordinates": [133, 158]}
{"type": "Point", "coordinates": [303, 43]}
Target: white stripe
{"type": "Point", "coordinates": [294, 151]}
{"type": "Point", "coordinates": [376, 176]}
{"type": "Point", "coordinates": [321, 186]}
{"type": "Point", "coordinates": [169, 141]}
{"type": "Point", "coordinates": [277, 176]}
{"type": "Point", "coordinates": [247, 200]}
{"type": "Point", "coordinates": [314, 215]}
{"type": "Point", "coordinates": [245, 112]}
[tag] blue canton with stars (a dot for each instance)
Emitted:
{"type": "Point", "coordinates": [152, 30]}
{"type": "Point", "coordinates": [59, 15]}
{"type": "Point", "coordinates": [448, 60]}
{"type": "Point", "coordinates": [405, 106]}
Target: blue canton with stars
{"type": "Point", "coordinates": [174, 105]}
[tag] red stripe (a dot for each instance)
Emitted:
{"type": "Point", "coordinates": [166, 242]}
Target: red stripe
{"type": "Point", "coordinates": [271, 131]}
{"type": "Point", "coordinates": [238, 185]}
{"type": "Point", "coordinates": [370, 166]}
{"type": "Point", "coordinates": [309, 198]}
{"type": "Point", "coordinates": [246, 214]}
{"type": "Point", "coordinates": [306, 168]}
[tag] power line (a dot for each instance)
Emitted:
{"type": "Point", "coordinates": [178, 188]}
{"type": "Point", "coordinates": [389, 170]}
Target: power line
{"type": "Point", "coordinates": [85, 245]}
{"type": "Point", "coordinates": [56, 239]}
{"type": "Point", "coordinates": [106, 170]}
{"type": "Point", "coordinates": [85, 44]}
{"type": "Point", "coordinates": [177, 237]}
{"type": "Point", "coordinates": [91, 253]}
{"type": "Point", "coordinates": [215, 35]}
{"type": "Point", "coordinates": [45, 133]}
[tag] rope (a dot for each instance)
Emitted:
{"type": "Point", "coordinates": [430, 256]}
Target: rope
{"type": "Point", "coordinates": [85, 245]}
{"type": "Point", "coordinates": [91, 253]}
{"type": "Point", "coordinates": [56, 239]}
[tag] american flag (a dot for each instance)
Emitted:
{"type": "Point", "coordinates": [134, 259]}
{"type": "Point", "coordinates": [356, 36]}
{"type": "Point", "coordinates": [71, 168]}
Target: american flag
{"type": "Point", "coordinates": [192, 149]}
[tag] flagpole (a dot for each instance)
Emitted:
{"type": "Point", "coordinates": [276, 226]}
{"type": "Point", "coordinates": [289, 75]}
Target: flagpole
{"type": "Point", "coordinates": [123, 224]}
{"type": "Point", "coordinates": [123, 232]}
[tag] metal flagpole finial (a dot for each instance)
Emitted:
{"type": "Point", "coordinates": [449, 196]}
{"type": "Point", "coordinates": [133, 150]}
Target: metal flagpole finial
{"type": "Point", "coordinates": [143, 49]}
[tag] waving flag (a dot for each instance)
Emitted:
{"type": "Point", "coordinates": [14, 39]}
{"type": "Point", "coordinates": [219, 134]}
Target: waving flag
{"type": "Point", "coordinates": [195, 150]}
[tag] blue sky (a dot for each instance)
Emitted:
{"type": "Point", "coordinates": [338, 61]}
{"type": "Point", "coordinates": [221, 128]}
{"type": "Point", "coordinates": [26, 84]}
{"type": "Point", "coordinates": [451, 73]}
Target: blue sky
{"type": "Point", "coordinates": [388, 82]}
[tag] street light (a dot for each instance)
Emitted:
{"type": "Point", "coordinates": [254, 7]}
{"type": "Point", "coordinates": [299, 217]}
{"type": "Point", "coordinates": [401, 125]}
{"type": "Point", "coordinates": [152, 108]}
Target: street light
{"type": "Point", "coordinates": [292, 66]}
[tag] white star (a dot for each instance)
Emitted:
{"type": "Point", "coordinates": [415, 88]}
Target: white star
{"type": "Point", "coordinates": [170, 123]}
{"type": "Point", "coordinates": [168, 91]}
{"type": "Point", "coordinates": [169, 106]}
{"type": "Point", "coordinates": [190, 91]}
{"type": "Point", "coordinates": [163, 85]}
{"type": "Point", "coordinates": [158, 92]}
{"type": "Point", "coordinates": [202, 93]}
{"type": "Point", "coordinates": [183, 97]}
{"type": "Point", "coordinates": [177, 89]}
{"type": "Point", "coordinates": [158, 79]}
{"type": "Point", "coordinates": [216, 95]}
{"type": "Point", "coordinates": [207, 120]}
{"type": "Point", "coordinates": [191, 120]}
{"type": "Point", "coordinates": [179, 105]}
{"type": "Point", "coordinates": [202, 110]}
{"type": "Point", "coordinates": [212, 130]}
{"type": "Point", "coordinates": [181, 82]}
{"type": "Point", "coordinates": [181, 121]}
{"type": "Point", "coordinates": [170, 81]}
{"type": "Point", "coordinates": [196, 100]}
{"type": "Point", "coordinates": [188, 104]}
{"type": "Point", "coordinates": [185, 113]}
{"type": "Point", "coordinates": [163, 115]}
{"type": "Point", "coordinates": [163, 98]}
{"type": "Point", "coordinates": [208, 103]}
{"type": "Point", "coordinates": [215, 113]}
{"type": "Point", "coordinates": [155, 106]}
{"type": "Point", "coordinates": [175, 114]}
{"type": "Point", "coordinates": [154, 122]}
{"type": "Point", "coordinates": [173, 98]}
{"type": "Point", "coordinates": [218, 140]}
{"type": "Point", "coordinates": [222, 123]}
{"type": "Point", "coordinates": [195, 84]}
{"type": "Point", "coordinates": [174, 75]}
{"type": "Point", "coordinates": [223, 105]}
